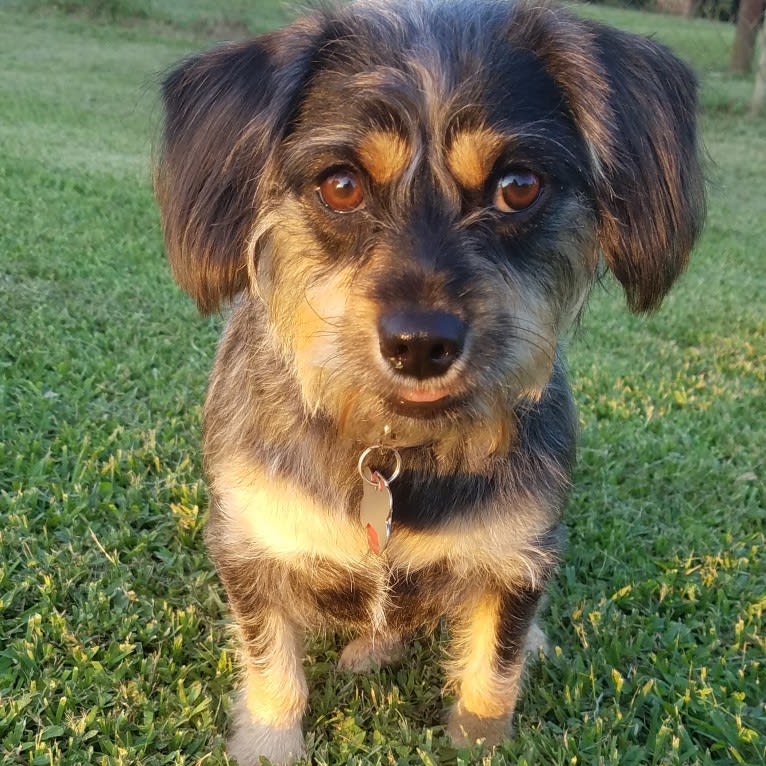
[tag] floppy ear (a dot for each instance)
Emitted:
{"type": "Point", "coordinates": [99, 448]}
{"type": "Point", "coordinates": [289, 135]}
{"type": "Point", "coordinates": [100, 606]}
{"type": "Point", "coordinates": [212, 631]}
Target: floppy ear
{"type": "Point", "coordinates": [635, 105]}
{"type": "Point", "coordinates": [225, 111]}
{"type": "Point", "coordinates": [652, 201]}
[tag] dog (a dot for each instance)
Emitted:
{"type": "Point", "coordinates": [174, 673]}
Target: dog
{"type": "Point", "coordinates": [405, 204]}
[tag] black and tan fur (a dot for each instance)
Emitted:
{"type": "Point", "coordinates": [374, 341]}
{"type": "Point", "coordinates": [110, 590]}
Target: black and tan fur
{"type": "Point", "coordinates": [429, 105]}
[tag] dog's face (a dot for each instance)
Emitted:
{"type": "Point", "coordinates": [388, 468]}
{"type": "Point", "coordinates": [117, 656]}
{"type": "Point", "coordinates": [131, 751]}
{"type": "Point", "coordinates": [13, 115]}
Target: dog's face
{"type": "Point", "coordinates": [428, 236]}
{"type": "Point", "coordinates": [421, 198]}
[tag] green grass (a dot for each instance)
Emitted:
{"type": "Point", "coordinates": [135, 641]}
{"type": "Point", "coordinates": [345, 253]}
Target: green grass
{"type": "Point", "coordinates": [113, 640]}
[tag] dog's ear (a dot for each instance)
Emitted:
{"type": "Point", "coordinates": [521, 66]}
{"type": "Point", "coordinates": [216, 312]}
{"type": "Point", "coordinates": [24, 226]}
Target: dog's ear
{"type": "Point", "coordinates": [225, 111]}
{"type": "Point", "coordinates": [652, 198]}
{"type": "Point", "coordinates": [635, 105]}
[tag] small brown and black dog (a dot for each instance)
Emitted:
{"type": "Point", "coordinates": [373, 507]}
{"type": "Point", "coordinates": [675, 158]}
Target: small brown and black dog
{"type": "Point", "coordinates": [406, 204]}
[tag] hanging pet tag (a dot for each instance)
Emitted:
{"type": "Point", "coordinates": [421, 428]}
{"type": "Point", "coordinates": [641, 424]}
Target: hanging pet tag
{"type": "Point", "coordinates": [376, 509]}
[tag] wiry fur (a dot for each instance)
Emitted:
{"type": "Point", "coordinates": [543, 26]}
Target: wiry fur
{"type": "Point", "coordinates": [429, 103]}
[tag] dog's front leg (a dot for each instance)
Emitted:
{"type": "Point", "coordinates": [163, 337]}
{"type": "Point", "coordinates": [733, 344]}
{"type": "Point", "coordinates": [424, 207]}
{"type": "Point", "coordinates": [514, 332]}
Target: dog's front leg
{"type": "Point", "coordinates": [490, 642]}
{"type": "Point", "coordinates": [270, 707]}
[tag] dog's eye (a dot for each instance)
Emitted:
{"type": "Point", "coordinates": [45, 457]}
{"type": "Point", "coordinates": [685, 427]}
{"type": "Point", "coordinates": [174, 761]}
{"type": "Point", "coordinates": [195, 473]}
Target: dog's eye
{"type": "Point", "coordinates": [341, 191]}
{"type": "Point", "coordinates": [517, 190]}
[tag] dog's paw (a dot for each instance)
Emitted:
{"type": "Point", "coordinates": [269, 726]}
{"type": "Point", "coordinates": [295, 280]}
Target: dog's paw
{"type": "Point", "coordinates": [467, 729]}
{"type": "Point", "coordinates": [536, 641]}
{"type": "Point", "coordinates": [253, 740]}
{"type": "Point", "coordinates": [366, 652]}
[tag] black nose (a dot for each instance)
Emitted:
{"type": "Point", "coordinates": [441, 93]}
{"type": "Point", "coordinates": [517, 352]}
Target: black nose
{"type": "Point", "coordinates": [422, 344]}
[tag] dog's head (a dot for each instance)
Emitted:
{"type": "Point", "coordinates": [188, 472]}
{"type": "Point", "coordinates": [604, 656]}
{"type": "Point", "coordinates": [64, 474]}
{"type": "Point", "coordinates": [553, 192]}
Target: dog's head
{"type": "Point", "coordinates": [420, 194]}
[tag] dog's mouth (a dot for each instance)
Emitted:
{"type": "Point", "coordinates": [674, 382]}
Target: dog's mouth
{"type": "Point", "coordinates": [415, 403]}
{"type": "Point", "coordinates": [414, 396]}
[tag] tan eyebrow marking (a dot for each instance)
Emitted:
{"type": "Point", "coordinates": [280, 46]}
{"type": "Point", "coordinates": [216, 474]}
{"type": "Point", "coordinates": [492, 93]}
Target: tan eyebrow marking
{"type": "Point", "coordinates": [385, 155]}
{"type": "Point", "coordinates": [472, 154]}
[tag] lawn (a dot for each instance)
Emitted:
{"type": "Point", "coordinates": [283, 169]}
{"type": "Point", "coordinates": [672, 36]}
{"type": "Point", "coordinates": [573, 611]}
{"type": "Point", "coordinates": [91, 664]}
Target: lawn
{"type": "Point", "coordinates": [114, 646]}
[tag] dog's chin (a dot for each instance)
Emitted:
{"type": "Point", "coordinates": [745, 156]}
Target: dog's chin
{"type": "Point", "coordinates": [415, 415]}
{"type": "Point", "coordinates": [400, 418]}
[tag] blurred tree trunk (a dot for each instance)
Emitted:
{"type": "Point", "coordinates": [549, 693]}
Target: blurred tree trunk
{"type": "Point", "coordinates": [748, 19]}
{"type": "Point", "coordinates": [691, 8]}
{"type": "Point", "coordinates": [758, 101]}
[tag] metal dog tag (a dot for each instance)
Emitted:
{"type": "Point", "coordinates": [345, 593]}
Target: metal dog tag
{"type": "Point", "coordinates": [376, 511]}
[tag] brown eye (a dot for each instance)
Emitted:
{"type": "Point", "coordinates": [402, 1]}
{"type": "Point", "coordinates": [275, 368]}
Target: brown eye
{"type": "Point", "coordinates": [517, 190]}
{"type": "Point", "coordinates": [341, 191]}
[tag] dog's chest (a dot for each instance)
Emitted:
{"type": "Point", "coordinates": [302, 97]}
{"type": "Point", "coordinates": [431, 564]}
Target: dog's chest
{"type": "Point", "coordinates": [283, 522]}
{"type": "Point", "coordinates": [289, 522]}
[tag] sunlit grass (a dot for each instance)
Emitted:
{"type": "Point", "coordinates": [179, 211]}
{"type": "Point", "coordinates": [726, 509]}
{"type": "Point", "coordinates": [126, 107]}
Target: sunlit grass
{"type": "Point", "coordinates": [114, 644]}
